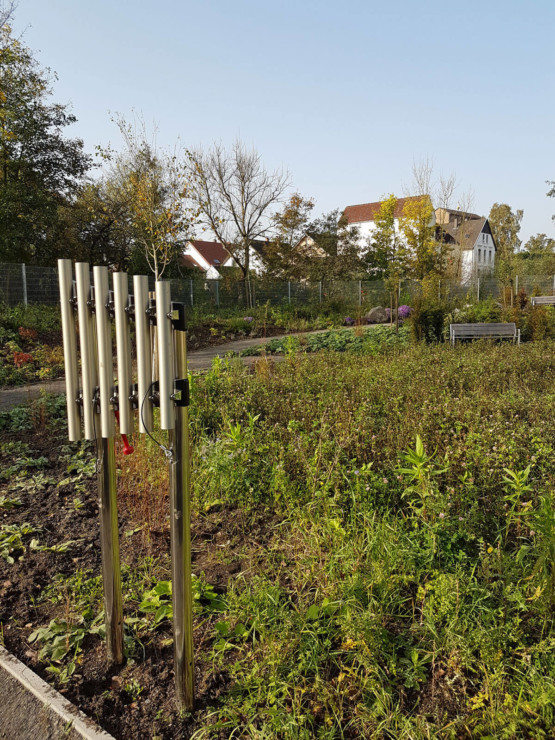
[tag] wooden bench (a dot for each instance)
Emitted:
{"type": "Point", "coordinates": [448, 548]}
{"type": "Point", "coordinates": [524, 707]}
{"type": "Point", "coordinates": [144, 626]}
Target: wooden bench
{"type": "Point", "coordinates": [543, 300]}
{"type": "Point", "coordinates": [484, 331]}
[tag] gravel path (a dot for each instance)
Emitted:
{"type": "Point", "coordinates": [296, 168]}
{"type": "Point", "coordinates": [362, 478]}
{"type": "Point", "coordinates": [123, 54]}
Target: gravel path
{"type": "Point", "coordinates": [201, 359]}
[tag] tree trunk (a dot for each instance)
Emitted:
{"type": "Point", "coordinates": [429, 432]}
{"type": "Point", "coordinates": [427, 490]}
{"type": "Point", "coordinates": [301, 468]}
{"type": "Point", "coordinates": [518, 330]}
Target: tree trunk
{"type": "Point", "coordinates": [390, 308]}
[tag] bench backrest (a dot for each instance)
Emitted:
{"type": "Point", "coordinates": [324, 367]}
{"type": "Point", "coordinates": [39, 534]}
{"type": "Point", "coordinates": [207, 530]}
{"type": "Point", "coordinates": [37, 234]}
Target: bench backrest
{"type": "Point", "coordinates": [543, 300]}
{"type": "Point", "coordinates": [483, 330]}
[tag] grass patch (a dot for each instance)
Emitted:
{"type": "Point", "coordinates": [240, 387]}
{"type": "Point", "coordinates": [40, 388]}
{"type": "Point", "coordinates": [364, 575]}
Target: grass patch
{"type": "Point", "coordinates": [408, 589]}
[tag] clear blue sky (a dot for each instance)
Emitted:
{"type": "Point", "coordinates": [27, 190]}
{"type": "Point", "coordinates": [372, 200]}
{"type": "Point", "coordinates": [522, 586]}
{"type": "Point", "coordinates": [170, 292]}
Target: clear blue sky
{"type": "Point", "coordinates": [345, 95]}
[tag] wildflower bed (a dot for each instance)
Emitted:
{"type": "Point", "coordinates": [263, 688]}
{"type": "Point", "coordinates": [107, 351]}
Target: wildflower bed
{"type": "Point", "coordinates": [374, 548]}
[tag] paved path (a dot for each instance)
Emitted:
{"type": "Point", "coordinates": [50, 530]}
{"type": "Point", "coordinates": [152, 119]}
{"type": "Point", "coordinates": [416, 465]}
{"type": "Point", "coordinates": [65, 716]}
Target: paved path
{"type": "Point", "coordinates": [200, 359]}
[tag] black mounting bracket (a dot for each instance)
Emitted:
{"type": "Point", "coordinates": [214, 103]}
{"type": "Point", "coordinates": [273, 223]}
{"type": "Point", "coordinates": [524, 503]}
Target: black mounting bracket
{"type": "Point", "coordinates": [178, 316]}
{"type": "Point", "coordinates": [181, 392]}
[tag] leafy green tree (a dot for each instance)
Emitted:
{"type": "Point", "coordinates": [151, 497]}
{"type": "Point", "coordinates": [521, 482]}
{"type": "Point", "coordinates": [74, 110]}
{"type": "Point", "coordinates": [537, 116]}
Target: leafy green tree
{"type": "Point", "coordinates": [537, 256]}
{"type": "Point", "coordinates": [97, 227]}
{"type": "Point", "coordinates": [40, 169]}
{"type": "Point", "coordinates": [389, 254]}
{"type": "Point", "coordinates": [339, 244]}
{"type": "Point", "coordinates": [505, 226]}
{"type": "Point", "coordinates": [540, 244]}
{"type": "Point", "coordinates": [290, 252]}
{"type": "Point", "coordinates": [383, 242]}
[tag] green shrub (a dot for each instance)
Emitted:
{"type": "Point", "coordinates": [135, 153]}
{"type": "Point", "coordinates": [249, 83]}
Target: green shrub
{"type": "Point", "coordinates": [427, 322]}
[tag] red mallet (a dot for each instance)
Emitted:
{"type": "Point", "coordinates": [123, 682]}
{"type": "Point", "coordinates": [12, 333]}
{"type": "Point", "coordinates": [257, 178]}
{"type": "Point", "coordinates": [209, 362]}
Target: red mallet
{"type": "Point", "coordinates": [127, 448]}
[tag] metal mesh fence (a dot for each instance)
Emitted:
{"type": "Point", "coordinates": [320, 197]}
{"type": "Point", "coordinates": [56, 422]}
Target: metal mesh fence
{"type": "Point", "coordinates": [39, 285]}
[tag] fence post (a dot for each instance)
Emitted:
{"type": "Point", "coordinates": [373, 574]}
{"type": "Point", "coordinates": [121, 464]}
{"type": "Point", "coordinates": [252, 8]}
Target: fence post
{"type": "Point", "coordinates": [191, 290]}
{"type": "Point", "coordinates": [289, 291]}
{"type": "Point", "coordinates": [24, 279]}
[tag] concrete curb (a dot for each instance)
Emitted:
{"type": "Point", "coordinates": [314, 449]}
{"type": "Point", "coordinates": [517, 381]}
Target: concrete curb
{"type": "Point", "coordinates": [33, 709]}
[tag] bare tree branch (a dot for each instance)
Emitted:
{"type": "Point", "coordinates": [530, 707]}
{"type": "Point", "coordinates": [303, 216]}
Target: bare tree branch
{"type": "Point", "coordinates": [235, 196]}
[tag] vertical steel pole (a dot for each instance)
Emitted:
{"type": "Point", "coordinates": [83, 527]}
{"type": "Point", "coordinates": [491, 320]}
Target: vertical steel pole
{"type": "Point", "coordinates": [218, 293]}
{"type": "Point", "coordinates": [106, 472]}
{"type": "Point", "coordinates": [109, 545]}
{"type": "Point", "coordinates": [478, 291]}
{"type": "Point", "coordinates": [191, 290]}
{"type": "Point", "coordinates": [320, 286]}
{"type": "Point", "coordinates": [289, 291]}
{"type": "Point", "coordinates": [180, 518]}
{"type": "Point", "coordinates": [24, 279]}
{"type": "Point", "coordinates": [516, 285]}
{"type": "Point", "coordinates": [360, 292]}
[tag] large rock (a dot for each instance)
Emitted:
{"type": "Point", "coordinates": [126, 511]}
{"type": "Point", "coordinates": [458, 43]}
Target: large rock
{"type": "Point", "coordinates": [377, 315]}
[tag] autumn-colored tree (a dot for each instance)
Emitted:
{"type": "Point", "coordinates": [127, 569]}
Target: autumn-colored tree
{"type": "Point", "coordinates": [151, 188]}
{"type": "Point", "coordinates": [425, 255]}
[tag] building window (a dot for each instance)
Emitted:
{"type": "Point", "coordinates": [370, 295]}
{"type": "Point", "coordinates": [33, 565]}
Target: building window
{"type": "Point", "coordinates": [479, 255]}
{"type": "Point", "coordinates": [490, 256]}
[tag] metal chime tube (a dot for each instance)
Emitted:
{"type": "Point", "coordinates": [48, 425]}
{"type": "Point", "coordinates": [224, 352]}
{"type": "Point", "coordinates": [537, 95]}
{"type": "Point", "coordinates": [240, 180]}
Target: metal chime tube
{"type": "Point", "coordinates": [70, 350]}
{"type": "Point", "coordinates": [180, 519]}
{"type": "Point", "coordinates": [165, 354]}
{"type": "Point", "coordinates": [89, 380]}
{"type": "Point", "coordinates": [144, 360]}
{"type": "Point", "coordinates": [106, 474]}
{"type": "Point", "coordinates": [105, 362]}
{"type": "Point", "coordinates": [123, 353]}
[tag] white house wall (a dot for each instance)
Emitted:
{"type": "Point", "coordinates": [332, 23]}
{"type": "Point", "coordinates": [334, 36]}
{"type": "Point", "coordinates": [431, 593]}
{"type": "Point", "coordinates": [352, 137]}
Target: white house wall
{"type": "Point", "coordinates": [479, 260]}
{"type": "Point", "coordinates": [484, 253]}
{"type": "Point", "coordinates": [367, 228]}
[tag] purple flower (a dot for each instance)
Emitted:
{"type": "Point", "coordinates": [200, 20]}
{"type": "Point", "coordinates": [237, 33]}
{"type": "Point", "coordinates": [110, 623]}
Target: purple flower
{"type": "Point", "coordinates": [348, 321]}
{"type": "Point", "coordinates": [248, 318]}
{"type": "Point", "coordinates": [404, 312]}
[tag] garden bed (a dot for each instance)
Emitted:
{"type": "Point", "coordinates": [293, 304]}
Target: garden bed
{"type": "Point", "coordinates": [372, 550]}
